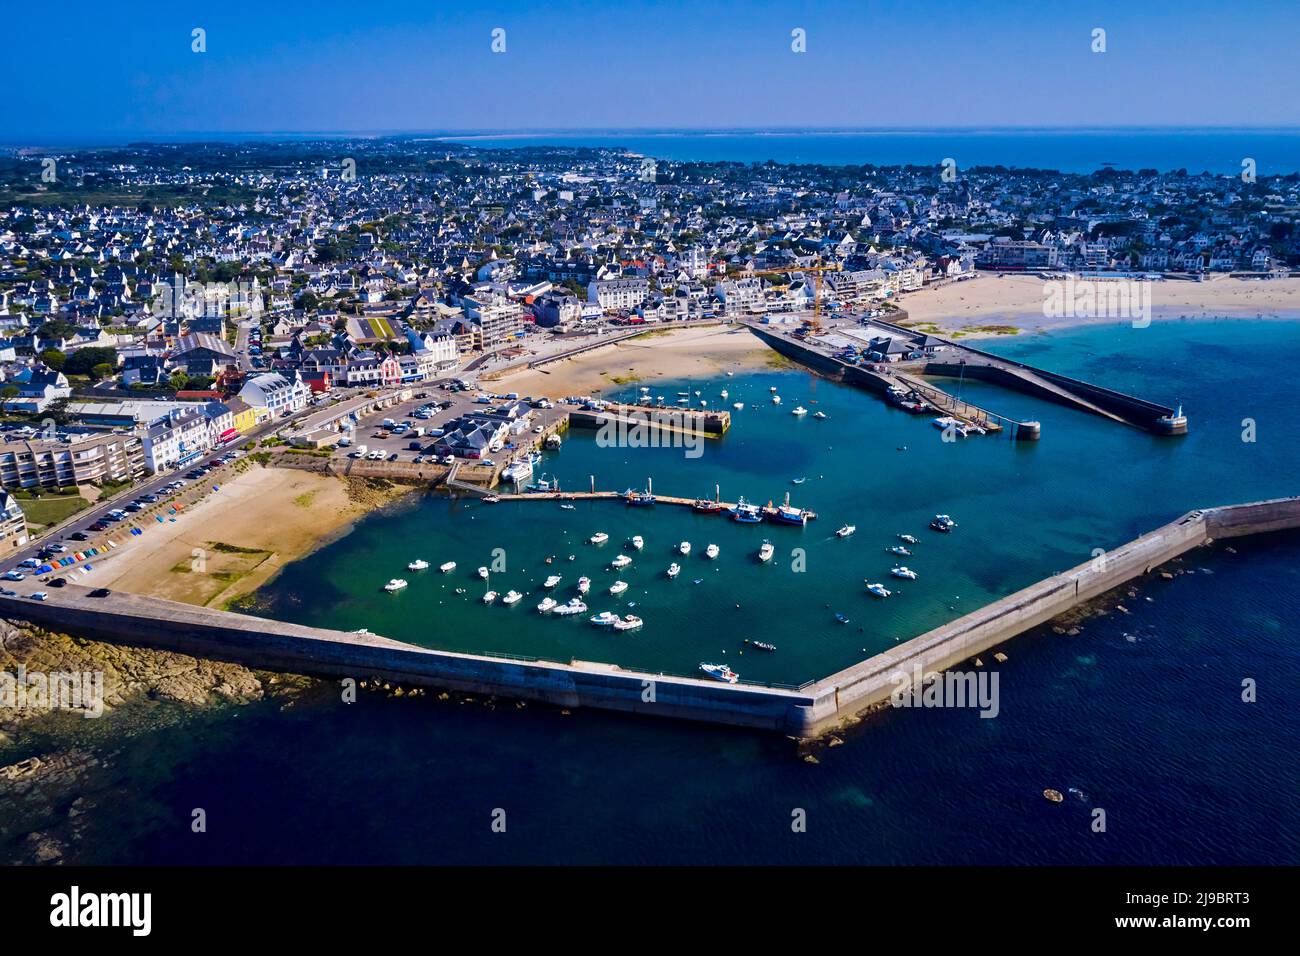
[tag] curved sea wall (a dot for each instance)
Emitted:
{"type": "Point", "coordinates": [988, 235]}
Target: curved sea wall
{"type": "Point", "coordinates": [809, 711]}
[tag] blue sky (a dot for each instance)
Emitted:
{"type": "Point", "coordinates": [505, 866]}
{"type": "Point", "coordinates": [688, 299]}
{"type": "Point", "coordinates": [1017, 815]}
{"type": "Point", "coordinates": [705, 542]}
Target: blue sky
{"type": "Point", "coordinates": [100, 69]}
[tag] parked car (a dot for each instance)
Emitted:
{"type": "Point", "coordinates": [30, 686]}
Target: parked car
{"type": "Point", "coordinates": [39, 596]}
{"type": "Point", "coordinates": [14, 576]}
{"type": "Point", "coordinates": [78, 536]}
{"type": "Point", "coordinates": [59, 582]}
{"type": "Point", "coordinates": [100, 593]}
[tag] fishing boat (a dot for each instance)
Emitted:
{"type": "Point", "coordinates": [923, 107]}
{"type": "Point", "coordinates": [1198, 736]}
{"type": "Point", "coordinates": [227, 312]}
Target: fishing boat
{"type": "Point", "coordinates": [760, 645]}
{"type": "Point", "coordinates": [746, 513]}
{"type": "Point", "coordinates": [711, 551]}
{"type": "Point", "coordinates": [684, 547]}
{"type": "Point", "coordinates": [907, 538]}
{"type": "Point", "coordinates": [629, 622]}
{"type": "Point", "coordinates": [720, 672]}
{"type": "Point", "coordinates": [604, 619]}
{"type": "Point", "coordinates": [512, 597]}
{"type": "Point", "coordinates": [573, 607]}
{"type": "Point", "coordinates": [394, 585]}
{"type": "Point", "coordinates": [705, 506]}
{"type": "Point", "coordinates": [543, 485]}
{"type": "Point", "coordinates": [489, 597]}
{"type": "Point", "coordinates": [552, 442]}
{"type": "Point", "coordinates": [674, 569]}
{"type": "Point", "coordinates": [621, 561]}
{"type": "Point", "coordinates": [798, 411]}
{"type": "Point", "coordinates": [552, 581]}
{"type": "Point", "coordinates": [899, 549]}
{"type": "Point", "coordinates": [638, 499]}
{"type": "Point", "coordinates": [946, 422]}
{"type": "Point", "coordinates": [584, 585]}
{"type": "Point", "coordinates": [483, 573]}
{"type": "Point", "coordinates": [786, 514]}
{"type": "Point", "coordinates": [637, 542]}
{"type": "Point", "coordinates": [766, 551]}
{"type": "Point", "coordinates": [618, 587]}
{"type": "Point", "coordinates": [942, 524]}
{"type": "Point", "coordinates": [902, 571]}
{"type": "Point", "coordinates": [447, 567]}
{"type": "Point", "coordinates": [419, 564]}
{"type": "Point", "coordinates": [518, 471]}
{"type": "Point", "coordinates": [879, 590]}
{"type": "Point", "coordinates": [820, 415]}
{"type": "Point", "coordinates": [548, 604]}
{"type": "Point", "coordinates": [847, 530]}
{"type": "Point", "coordinates": [842, 618]}
{"type": "Point", "coordinates": [598, 538]}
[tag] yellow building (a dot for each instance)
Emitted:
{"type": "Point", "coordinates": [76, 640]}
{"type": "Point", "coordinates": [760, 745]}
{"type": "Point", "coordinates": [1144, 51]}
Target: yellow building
{"type": "Point", "coordinates": [246, 416]}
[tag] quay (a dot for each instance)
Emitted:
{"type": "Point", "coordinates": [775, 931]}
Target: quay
{"type": "Point", "coordinates": [810, 710]}
{"type": "Point", "coordinates": [723, 506]}
{"type": "Point", "coordinates": [710, 423]}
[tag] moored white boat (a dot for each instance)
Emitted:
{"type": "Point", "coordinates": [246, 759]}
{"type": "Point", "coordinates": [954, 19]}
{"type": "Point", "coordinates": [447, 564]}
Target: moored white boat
{"type": "Point", "coordinates": [547, 604]}
{"type": "Point", "coordinates": [419, 564]}
{"type": "Point", "coordinates": [879, 590]}
{"type": "Point", "coordinates": [820, 414]}
{"type": "Point", "coordinates": [739, 406]}
{"type": "Point", "coordinates": [847, 530]}
{"type": "Point", "coordinates": [776, 399]}
{"type": "Point", "coordinates": [551, 581]}
{"type": "Point", "coordinates": [584, 585]}
{"type": "Point", "coordinates": [711, 551]}
{"type": "Point", "coordinates": [618, 587]}
{"type": "Point", "coordinates": [447, 567]}
{"type": "Point", "coordinates": [638, 542]}
{"type": "Point", "coordinates": [621, 561]}
{"type": "Point", "coordinates": [627, 623]}
{"type": "Point", "coordinates": [512, 597]}
{"type": "Point", "coordinates": [720, 672]}
{"type": "Point", "coordinates": [799, 410]}
{"type": "Point", "coordinates": [604, 619]}
{"type": "Point", "coordinates": [394, 584]}
{"type": "Point", "coordinates": [942, 523]}
{"type": "Point", "coordinates": [902, 571]}
{"type": "Point", "coordinates": [684, 547]}
{"type": "Point", "coordinates": [573, 607]}
{"type": "Point", "coordinates": [899, 549]}
{"type": "Point", "coordinates": [483, 573]}
{"type": "Point", "coordinates": [907, 538]}
{"type": "Point", "coordinates": [489, 597]}
{"type": "Point", "coordinates": [674, 569]}
{"type": "Point", "coordinates": [598, 538]}
{"type": "Point", "coordinates": [766, 551]}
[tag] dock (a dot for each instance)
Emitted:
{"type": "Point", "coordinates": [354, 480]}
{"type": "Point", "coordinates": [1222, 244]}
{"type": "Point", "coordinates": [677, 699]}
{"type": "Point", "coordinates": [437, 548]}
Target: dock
{"type": "Point", "coordinates": [723, 507]}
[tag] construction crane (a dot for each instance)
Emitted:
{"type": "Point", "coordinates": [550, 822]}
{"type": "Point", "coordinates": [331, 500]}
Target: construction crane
{"type": "Point", "coordinates": [816, 322]}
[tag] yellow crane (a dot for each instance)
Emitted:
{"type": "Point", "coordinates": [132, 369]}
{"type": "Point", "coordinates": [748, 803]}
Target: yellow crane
{"type": "Point", "coordinates": [816, 271]}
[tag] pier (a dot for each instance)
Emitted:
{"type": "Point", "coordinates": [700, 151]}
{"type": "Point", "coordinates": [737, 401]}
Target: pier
{"type": "Point", "coordinates": [810, 710]}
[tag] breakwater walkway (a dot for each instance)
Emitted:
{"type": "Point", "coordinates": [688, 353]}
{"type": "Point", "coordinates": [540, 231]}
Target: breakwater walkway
{"type": "Point", "coordinates": [809, 710]}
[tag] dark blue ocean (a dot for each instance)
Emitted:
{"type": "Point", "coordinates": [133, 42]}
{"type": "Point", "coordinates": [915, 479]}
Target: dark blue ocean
{"type": "Point", "coordinates": [1141, 712]}
{"type": "Point", "coordinates": [1219, 151]}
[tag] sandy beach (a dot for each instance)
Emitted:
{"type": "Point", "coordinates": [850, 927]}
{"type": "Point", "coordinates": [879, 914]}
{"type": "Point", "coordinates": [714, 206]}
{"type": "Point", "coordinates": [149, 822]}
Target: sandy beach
{"type": "Point", "coordinates": [236, 539]}
{"type": "Point", "coordinates": [978, 307]}
{"type": "Point", "coordinates": [660, 354]}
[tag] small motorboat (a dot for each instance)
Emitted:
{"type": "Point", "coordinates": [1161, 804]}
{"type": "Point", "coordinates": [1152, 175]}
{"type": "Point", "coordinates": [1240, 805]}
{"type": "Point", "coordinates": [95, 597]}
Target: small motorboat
{"type": "Point", "coordinates": [638, 542]}
{"type": "Point", "coordinates": [483, 573]}
{"type": "Point", "coordinates": [799, 411]}
{"type": "Point", "coordinates": [942, 524]}
{"type": "Point", "coordinates": [618, 587]}
{"type": "Point", "coordinates": [842, 618]}
{"type": "Point", "coordinates": [460, 590]}
{"type": "Point", "coordinates": [674, 569]}
{"type": "Point", "coordinates": [604, 619]}
{"type": "Point", "coordinates": [899, 549]}
{"type": "Point", "coordinates": [720, 672]}
{"type": "Point", "coordinates": [573, 607]}
{"type": "Point", "coordinates": [512, 597]}
{"type": "Point", "coordinates": [598, 538]}
{"type": "Point", "coordinates": [739, 406]}
{"type": "Point", "coordinates": [621, 561]}
{"type": "Point", "coordinates": [568, 508]}
{"type": "Point", "coordinates": [584, 585]}
{"type": "Point", "coordinates": [820, 415]}
{"type": "Point", "coordinates": [879, 590]}
{"type": "Point", "coordinates": [394, 585]}
{"type": "Point", "coordinates": [902, 571]}
{"type": "Point", "coordinates": [776, 399]}
{"type": "Point", "coordinates": [629, 622]}
{"type": "Point", "coordinates": [907, 538]}
{"type": "Point", "coordinates": [491, 500]}
{"type": "Point", "coordinates": [760, 645]}
{"type": "Point", "coordinates": [419, 564]}
{"type": "Point", "coordinates": [711, 551]}
{"type": "Point", "coordinates": [551, 581]}
{"type": "Point", "coordinates": [949, 425]}
{"type": "Point", "coordinates": [684, 547]}
{"type": "Point", "coordinates": [766, 551]}
{"type": "Point", "coordinates": [723, 393]}
{"type": "Point", "coordinates": [489, 597]}
{"type": "Point", "coordinates": [847, 530]}
{"type": "Point", "coordinates": [772, 389]}
{"type": "Point", "coordinates": [447, 567]}
{"type": "Point", "coordinates": [548, 604]}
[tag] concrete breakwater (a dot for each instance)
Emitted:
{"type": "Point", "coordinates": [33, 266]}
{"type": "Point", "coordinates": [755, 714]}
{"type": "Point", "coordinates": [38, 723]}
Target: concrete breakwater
{"type": "Point", "coordinates": [807, 711]}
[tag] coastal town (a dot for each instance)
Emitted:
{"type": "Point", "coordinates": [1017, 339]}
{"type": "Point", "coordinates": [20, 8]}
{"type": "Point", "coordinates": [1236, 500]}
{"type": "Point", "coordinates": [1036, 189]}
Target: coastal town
{"type": "Point", "coordinates": [161, 303]}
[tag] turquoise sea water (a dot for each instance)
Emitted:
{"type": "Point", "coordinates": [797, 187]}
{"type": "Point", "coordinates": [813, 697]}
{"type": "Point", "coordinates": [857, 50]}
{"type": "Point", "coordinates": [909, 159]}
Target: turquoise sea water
{"type": "Point", "coordinates": [1024, 510]}
{"type": "Point", "coordinates": [1142, 712]}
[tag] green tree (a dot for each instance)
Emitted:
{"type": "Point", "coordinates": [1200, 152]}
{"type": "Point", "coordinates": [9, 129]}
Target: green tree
{"type": "Point", "coordinates": [83, 361]}
{"type": "Point", "coordinates": [54, 359]}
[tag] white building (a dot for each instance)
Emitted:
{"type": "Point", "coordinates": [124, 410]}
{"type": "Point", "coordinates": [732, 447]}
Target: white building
{"type": "Point", "coordinates": [276, 393]}
{"type": "Point", "coordinates": [180, 437]}
{"type": "Point", "coordinates": [615, 294]}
